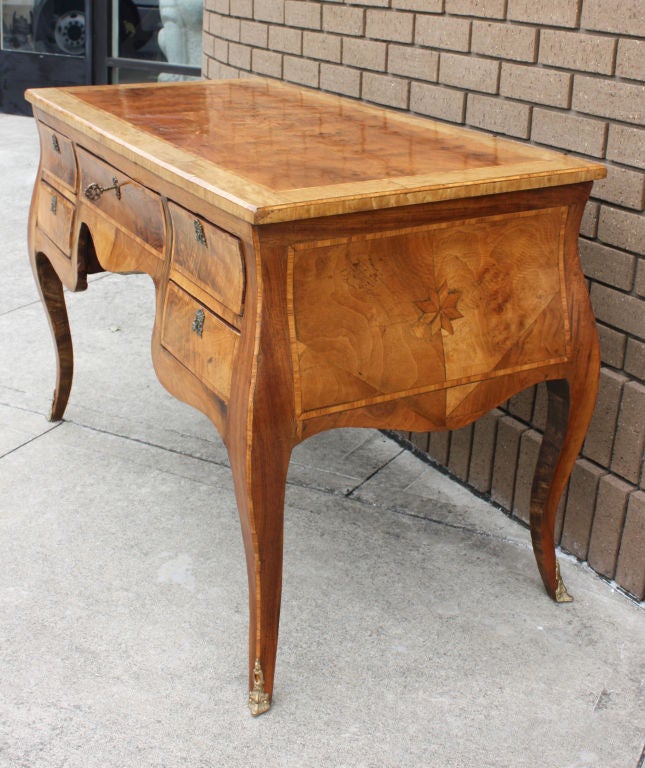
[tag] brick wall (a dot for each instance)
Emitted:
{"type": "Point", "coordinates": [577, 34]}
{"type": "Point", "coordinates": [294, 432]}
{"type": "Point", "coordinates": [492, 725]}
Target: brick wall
{"type": "Point", "coordinates": [562, 73]}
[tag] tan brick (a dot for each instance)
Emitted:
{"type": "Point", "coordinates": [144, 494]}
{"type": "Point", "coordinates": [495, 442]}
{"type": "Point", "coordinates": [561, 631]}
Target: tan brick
{"type": "Point", "coordinates": [221, 49]}
{"type": "Point", "coordinates": [390, 25]}
{"type": "Point", "coordinates": [439, 447]}
{"type": "Point", "coordinates": [302, 71]}
{"type": "Point", "coordinates": [339, 79]}
{"type": "Point", "coordinates": [266, 62]}
{"type": "Point", "coordinates": [540, 407]}
{"type": "Point", "coordinates": [622, 16]}
{"type": "Point", "coordinates": [285, 39]}
{"type": "Point", "coordinates": [208, 49]}
{"type": "Point", "coordinates": [509, 432]}
{"type": "Point", "coordinates": [579, 51]}
{"type": "Point", "coordinates": [239, 56]}
{"type": "Point", "coordinates": [607, 265]}
{"type": "Point", "coordinates": [635, 358]}
{"type": "Point", "coordinates": [639, 286]}
{"type": "Point", "coordinates": [589, 223]}
{"type": "Point", "coordinates": [220, 6]}
{"type": "Point", "coordinates": [556, 13]}
{"type": "Point", "coordinates": [567, 131]}
{"type": "Point", "coordinates": [242, 8]}
{"type": "Point", "coordinates": [608, 522]}
{"type": "Point", "coordinates": [529, 448]}
{"type": "Point", "coordinates": [365, 54]}
{"type": "Point", "coordinates": [460, 447]}
{"type": "Point", "coordinates": [427, 6]}
{"type": "Point", "coordinates": [321, 45]}
{"type": "Point", "coordinates": [480, 472]}
{"type": "Point", "coordinates": [387, 90]}
{"type": "Point", "coordinates": [269, 10]}
{"type": "Point", "coordinates": [508, 41]}
{"type": "Point", "coordinates": [536, 84]}
{"type": "Point", "coordinates": [372, 3]}
{"type": "Point", "coordinates": [612, 346]}
{"type": "Point", "coordinates": [344, 19]}
{"type": "Point", "coordinates": [510, 118]}
{"type": "Point", "coordinates": [420, 440]}
{"type": "Point", "coordinates": [620, 310]}
{"type": "Point", "coordinates": [417, 63]}
{"type": "Point", "coordinates": [600, 436]}
{"type": "Point", "coordinates": [630, 62]}
{"type": "Point", "coordinates": [622, 228]}
{"type": "Point", "coordinates": [487, 9]}
{"type": "Point", "coordinates": [438, 101]}
{"type": "Point", "coordinates": [609, 98]}
{"type": "Point", "coordinates": [446, 32]}
{"type": "Point", "coordinates": [298, 13]}
{"type": "Point", "coordinates": [468, 72]}
{"type": "Point", "coordinates": [630, 570]}
{"type": "Point", "coordinates": [630, 433]}
{"type": "Point", "coordinates": [254, 33]}
{"type": "Point", "coordinates": [521, 404]}
{"type": "Point", "coordinates": [622, 186]}
{"type": "Point", "coordinates": [626, 145]}
{"type": "Point", "coordinates": [581, 503]}
{"type": "Point", "coordinates": [225, 27]}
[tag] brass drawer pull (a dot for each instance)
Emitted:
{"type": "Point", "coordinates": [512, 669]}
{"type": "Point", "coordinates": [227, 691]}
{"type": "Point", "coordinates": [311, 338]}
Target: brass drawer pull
{"type": "Point", "coordinates": [55, 143]}
{"type": "Point", "coordinates": [198, 322]}
{"type": "Point", "coordinates": [94, 191]}
{"type": "Point", "coordinates": [53, 204]}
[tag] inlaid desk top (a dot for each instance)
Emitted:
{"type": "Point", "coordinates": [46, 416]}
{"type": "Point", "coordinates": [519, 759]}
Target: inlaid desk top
{"type": "Point", "coordinates": [268, 151]}
{"type": "Point", "coordinates": [321, 263]}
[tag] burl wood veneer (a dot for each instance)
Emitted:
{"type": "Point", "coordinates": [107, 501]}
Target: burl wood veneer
{"type": "Point", "coordinates": [321, 263]}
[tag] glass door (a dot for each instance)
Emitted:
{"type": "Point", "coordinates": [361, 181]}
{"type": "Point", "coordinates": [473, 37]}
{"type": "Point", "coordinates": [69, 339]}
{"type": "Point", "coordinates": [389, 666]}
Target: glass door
{"type": "Point", "coordinates": [42, 42]}
{"type": "Point", "coordinates": [154, 40]}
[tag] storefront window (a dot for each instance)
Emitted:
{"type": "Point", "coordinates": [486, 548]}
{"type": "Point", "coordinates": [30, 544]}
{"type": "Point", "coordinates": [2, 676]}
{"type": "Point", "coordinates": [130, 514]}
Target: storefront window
{"type": "Point", "coordinates": [46, 26]}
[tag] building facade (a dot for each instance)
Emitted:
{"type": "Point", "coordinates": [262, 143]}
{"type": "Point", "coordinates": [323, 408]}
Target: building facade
{"type": "Point", "coordinates": [567, 74]}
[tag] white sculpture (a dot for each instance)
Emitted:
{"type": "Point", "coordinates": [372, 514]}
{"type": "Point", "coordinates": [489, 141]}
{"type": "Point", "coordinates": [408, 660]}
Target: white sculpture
{"type": "Point", "coordinates": [181, 35]}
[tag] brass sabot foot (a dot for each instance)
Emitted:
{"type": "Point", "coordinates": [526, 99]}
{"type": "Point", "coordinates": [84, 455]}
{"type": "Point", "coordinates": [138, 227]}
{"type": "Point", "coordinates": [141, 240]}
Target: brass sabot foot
{"type": "Point", "coordinates": [259, 701]}
{"type": "Point", "coordinates": [561, 594]}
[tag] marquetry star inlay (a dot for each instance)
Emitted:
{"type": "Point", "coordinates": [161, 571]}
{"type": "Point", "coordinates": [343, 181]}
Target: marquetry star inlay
{"type": "Point", "coordinates": [439, 309]}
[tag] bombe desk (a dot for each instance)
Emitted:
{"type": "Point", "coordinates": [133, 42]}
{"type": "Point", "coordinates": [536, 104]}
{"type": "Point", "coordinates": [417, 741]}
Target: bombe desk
{"type": "Point", "coordinates": [321, 263]}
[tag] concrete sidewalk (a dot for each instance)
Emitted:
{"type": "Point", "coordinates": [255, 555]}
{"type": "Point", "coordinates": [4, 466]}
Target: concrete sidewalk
{"type": "Point", "coordinates": [415, 630]}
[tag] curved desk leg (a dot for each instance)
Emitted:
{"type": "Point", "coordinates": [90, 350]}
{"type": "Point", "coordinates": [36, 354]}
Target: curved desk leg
{"type": "Point", "coordinates": [53, 298]}
{"type": "Point", "coordinates": [259, 465]}
{"type": "Point", "coordinates": [570, 407]}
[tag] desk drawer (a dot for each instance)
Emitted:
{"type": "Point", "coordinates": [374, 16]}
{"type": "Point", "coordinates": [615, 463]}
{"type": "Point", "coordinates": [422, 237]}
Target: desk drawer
{"type": "Point", "coordinates": [209, 257]}
{"type": "Point", "coordinates": [199, 340]}
{"type": "Point", "coordinates": [57, 153]}
{"type": "Point", "coordinates": [133, 207]}
{"type": "Point", "coordinates": [54, 217]}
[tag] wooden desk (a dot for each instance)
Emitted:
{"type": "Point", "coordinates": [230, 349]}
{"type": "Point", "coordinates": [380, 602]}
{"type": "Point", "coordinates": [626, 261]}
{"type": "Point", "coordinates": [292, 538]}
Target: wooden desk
{"type": "Point", "coordinates": [321, 263]}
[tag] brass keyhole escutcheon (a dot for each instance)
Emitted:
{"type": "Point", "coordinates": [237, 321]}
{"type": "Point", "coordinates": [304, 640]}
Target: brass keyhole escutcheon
{"type": "Point", "coordinates": [200, 235]}
{"type": "Point", "coordinates": [95, 190]}
{"type": "Point", "coordinates": [198, 322]}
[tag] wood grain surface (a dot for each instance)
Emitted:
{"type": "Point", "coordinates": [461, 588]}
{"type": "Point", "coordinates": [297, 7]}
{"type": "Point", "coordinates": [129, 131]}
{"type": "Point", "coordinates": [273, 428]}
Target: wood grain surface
{"type": "Point", "coordinates": [321, 263]}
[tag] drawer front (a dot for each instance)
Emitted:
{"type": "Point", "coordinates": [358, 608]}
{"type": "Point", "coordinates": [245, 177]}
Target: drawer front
{"type": "Point", "coordinates": [57, 153]}
{"type": "Point", "coordinates": [133, 207]}
{"type": "Point", "coordinates": [55, 214]}
{"type": "Point", "coordinates": [199, 340]}
{"type": "Point", "coordinates": [209, 257]}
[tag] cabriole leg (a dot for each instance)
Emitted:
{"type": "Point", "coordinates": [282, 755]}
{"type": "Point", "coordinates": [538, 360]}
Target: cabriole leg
{"type": "Point", "coordinates": [570, 407]}
{"type": "Point", "coordinates": [53, 298]}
